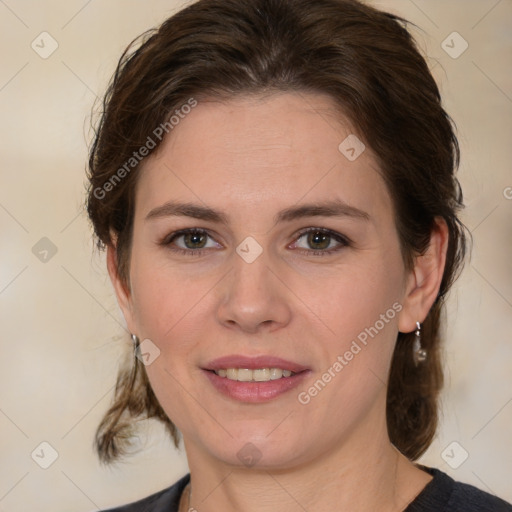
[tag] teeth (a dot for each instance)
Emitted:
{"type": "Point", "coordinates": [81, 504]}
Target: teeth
{"type": "Point", "coordinates": [258, 375]}
{"type": "Point", "coordinates": [261, 375]}
{"type": "Point", "coordinates": [244, 375]}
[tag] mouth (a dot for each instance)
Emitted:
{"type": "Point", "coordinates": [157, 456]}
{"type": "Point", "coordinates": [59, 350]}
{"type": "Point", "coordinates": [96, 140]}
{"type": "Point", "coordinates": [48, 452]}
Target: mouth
{"type": "Point", "coordinates": [257, 375]}
{"type": "Point", "coordinates": [254, 379]}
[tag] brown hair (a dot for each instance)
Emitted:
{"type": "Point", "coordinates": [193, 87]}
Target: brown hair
{"type": "Point", "coordinates": [368, 63]}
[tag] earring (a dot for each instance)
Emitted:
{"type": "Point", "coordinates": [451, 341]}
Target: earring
{"type": "Point", "coordinates": [136, 348]}
{"type": "Point", "coordinates": [419, 354]}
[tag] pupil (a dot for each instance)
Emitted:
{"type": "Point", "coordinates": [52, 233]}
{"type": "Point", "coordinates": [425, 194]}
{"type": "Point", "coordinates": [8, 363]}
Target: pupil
{"type": "Point", "coordinates": [318, 240]}
{"type": "Point", "coordinates": [196, 240]}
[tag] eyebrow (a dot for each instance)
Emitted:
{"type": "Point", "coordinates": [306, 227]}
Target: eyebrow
{"type": "Point", "coordinates": [172, 208]}
{"type": "Point", "coordinates": [334, 208]}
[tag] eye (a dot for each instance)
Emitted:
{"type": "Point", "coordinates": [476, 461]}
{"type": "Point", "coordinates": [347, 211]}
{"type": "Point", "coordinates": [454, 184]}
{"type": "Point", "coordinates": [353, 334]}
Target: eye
{"type": "Point", "coordinates": [190, 240]}
{"type": "Point", "coordinates": [320, 241]}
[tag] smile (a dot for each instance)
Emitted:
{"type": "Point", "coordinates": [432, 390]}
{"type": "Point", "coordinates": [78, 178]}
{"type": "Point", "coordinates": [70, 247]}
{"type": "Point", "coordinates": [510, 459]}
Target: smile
{"type": "Point", "coordinates": [254, 379]}
{"type": "Point", "coordinates": [255, 375]}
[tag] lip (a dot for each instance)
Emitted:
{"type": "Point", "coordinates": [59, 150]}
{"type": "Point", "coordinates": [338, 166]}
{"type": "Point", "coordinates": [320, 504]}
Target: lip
{"type": "Point", "coordinates": [253, 363]}
{"type": "Point", "coordinates": [254, 392]}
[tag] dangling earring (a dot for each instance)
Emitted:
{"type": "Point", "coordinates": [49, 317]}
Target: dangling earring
{"type": "Point", "coordinates": [136, 349]}
{"type": "Point", "coordinates": [419, 354]}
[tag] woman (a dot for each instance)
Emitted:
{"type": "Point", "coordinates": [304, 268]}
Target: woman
{"type": "Point", "coordinates": [274, 184]}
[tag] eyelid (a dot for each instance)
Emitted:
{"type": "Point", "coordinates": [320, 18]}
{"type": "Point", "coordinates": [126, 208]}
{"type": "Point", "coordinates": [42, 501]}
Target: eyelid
{"type": "Point", "coordinates": [167, 241]}
{"type": "Point", "coordinates": [342, 242]}
{"type": "Point", "coordinates": [327, 231]}
{"type": "Point", "coordinates": [180, 232]}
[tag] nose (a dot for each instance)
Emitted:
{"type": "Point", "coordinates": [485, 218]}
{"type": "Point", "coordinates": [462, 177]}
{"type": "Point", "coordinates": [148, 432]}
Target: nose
{"type": "Point", "coordinates": [253, 298]}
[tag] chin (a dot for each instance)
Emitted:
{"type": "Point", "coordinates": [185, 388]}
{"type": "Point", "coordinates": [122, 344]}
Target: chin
{"type": "Point", "coordinates": [256, 451]}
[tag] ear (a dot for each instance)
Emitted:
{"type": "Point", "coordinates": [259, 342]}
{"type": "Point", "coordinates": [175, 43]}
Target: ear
{"type": "Point", "coordinates": [121, 288]}
{"type": "Point", "coordinates": [424, 280]}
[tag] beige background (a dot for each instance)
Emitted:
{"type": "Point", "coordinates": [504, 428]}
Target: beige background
{"type": "Point", "coordinates": [61, 331]}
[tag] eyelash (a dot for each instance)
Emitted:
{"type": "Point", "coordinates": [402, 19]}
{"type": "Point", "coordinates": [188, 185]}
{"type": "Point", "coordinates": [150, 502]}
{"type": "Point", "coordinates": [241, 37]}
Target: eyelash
{"type": "Point", "coordinates": [188, 252]}
{"type": "Point", "coordinates": [341, 239]}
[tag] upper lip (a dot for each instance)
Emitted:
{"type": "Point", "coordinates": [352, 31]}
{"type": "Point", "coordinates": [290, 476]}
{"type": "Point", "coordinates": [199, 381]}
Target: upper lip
{"type": "Point", "coordinates": [253, 363]}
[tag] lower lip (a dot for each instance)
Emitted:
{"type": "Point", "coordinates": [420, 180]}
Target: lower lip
{"type": "Point", "coordinates": [255, 392]}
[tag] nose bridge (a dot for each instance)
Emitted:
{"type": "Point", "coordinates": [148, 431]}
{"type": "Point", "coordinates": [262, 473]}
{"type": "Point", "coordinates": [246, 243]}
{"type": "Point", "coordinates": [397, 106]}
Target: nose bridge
{"type": "Point", "coordinates": [252, 296]}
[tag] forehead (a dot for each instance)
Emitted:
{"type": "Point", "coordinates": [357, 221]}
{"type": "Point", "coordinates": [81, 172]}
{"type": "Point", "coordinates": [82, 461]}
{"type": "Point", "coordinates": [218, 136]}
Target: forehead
{"type": "Point", "coordinates": [262, 153]}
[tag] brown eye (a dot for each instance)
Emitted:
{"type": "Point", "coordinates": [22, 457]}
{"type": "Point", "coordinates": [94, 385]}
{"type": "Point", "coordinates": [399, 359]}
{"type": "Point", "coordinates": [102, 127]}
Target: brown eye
{"type": "Point", "coordinates": [318, 240]}
{"type": "Point", "coordinates": [190, 241]}
{"type": "Point", "coordinates": [195, 240]}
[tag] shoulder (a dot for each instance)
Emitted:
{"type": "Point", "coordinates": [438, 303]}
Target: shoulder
{"type": "Point", "coordinates": [166, 500]}
{"type": "Point", "coordinates": [444, 494]}
{"type": "Point", "coordinates": [469, 498]}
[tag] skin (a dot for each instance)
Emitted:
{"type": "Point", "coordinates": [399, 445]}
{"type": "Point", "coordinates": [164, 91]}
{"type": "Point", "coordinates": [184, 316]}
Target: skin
{"type": "Point", "coordinates": [250, 158]}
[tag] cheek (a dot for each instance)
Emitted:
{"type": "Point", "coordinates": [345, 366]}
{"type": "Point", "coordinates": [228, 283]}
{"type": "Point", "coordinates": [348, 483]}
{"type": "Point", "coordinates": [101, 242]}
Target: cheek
{"type": "Point", "coordinates": [162, 298]}
{"type": "Point", "coordinates": [169, 311]}
{"type": "Point", "coordinates": [360, 310]}
{"type": "Point", "coordinates": [360, 296]}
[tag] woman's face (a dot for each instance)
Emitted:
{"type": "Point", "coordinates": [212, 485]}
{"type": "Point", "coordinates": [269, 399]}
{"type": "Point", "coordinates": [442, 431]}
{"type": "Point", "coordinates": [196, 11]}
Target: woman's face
{"type": "Point", "coordinates": [291, 262]}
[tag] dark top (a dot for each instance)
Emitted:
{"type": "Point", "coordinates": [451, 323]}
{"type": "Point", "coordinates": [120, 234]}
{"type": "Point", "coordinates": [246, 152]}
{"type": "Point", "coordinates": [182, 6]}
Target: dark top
{"type": "Point", "coordinates": [441, 494]}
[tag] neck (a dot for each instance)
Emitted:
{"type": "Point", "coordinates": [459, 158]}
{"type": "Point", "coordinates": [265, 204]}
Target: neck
{"type": "Point", "coordinates": [364, 473]}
